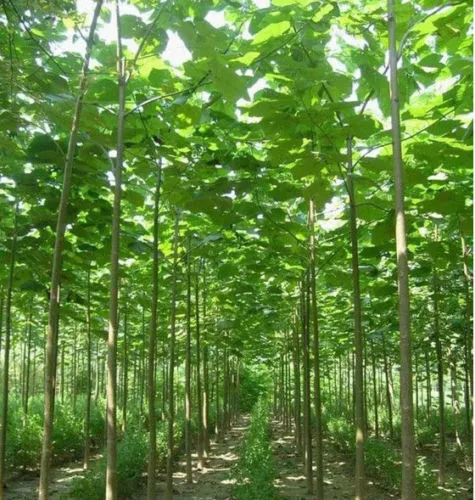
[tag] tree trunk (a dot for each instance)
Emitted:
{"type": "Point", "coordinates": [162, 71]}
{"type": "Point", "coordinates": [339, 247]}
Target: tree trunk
{"type": "Point", "coordinates": [455, 400]}
{"type": "Point", "coordinates": [206, 440]}
{"type": "Point", "coordinates": [152, 341]}
{"type": "Point", "coordinates": [307, 429]}
{"type": "Point", "coordinates": [87, 419]}
{"type": "Point", "coordinates": [359, 395]}
{"type": "Point", "coordinates": [188, 468]}
{"type": "Point", "coordinates": [199, 388]}
{"type": "Point", "coordinates": [388, 392]}
{"type": "Point", "coordinates": [111, 470]}
{"type": "Point", "coordinates": [218, 429]}
{"type": "Point", "coordinates": [468, 338]}
{"type": "Point", "coordinates": [142, 365]}
{"type": "Point", "coordinates": [375, 392]}
{"type": "Point", "coordinates": [416, 386]}
{"type": "Point", "coordinates": [316, 359]}
{"type": "Point", "coordinates": [6, 356]}
{"type": "Point", "coordinates": [428, 383]}
{"type": "Point", "coordinates": [74, 371]}
{"type": "Point", "coordinates": [28, 353]}
{"type": "Point", "coordinates": [297, 394]}
{"type": "Point", "coordinates": [125, 372]}
{"type": "Point", "coordinates": [407, 411]}
{"type": "Point", "coordinates": [53, 312]}
{"type": "Point", "coordinates": [171, 399]}
{"type": "Point", "coordinates": [440, 383]}
{"type": "Point", "coordinates": [2, 298]}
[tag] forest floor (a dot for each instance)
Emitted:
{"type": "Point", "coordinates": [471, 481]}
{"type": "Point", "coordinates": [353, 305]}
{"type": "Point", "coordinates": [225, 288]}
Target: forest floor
{"type": "Point", "coordinates": [24, 485]}
{"type": "Point", "coordinates": [338, 473]}
{"type": "Point", "coordinates": [214, 481]}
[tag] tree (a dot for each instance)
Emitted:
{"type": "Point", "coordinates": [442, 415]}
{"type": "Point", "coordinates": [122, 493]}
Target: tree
{"type": "Point", "coordinates": [407, 412]}
{"type": "Point", "coordinates": [53, 314]}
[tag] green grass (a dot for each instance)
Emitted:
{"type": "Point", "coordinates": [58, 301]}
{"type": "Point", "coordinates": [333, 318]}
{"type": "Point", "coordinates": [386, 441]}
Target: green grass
{"type": "Point", "coordinates": [255, 471]}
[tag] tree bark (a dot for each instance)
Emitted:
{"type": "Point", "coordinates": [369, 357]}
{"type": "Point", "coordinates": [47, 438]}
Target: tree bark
{"type": "Point", "coordinates": [6, 355]}
{"type": "Point", "coordinates": [440, 381]}
{"type": "Point", "coordinates": [188, 468]}
{"type": "Point", "coordinates": [316, 359]}
{"type": "Point", "coordinates": [388, 392]}
{"type": "Point", "coordinates": [360, 485]}
{"type": "Point", "coordinates": [199, 388]}
{"type": "Point", "coordinates": [53, 311]}
{"type": "Point", "coordinates": [28, 354]}
{"type": "Point", "coordinates": [307, 429]}
{"type": "Point", "coordinates": [407, 410]}
{"type": "Point", "coordinates": [87, 419]}
{"type": "Point", "coordinates": [297, 393]}
{"type": "Point", "coordinates": [125, 371]}
{"type": "Point", "coordinates": [111, 469]}
{"type": "Point", "coordinates": [375, 392]}
{"type": "Point", "coordinates": [2, 298]}
{"type": "Point", "coordinates": [468, 338]}
{"type": "Point", "coordinates": [206, 440]}
{"type": "Point", "coordinates": [171, 399]}
{"type": "Point", "coordinates": [428, 382]}
{"type": "Point", "coordinates": [152, 340]}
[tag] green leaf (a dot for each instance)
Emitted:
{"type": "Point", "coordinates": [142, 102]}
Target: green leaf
{"type": "Point", "coordinates": [272, 30]}
{"type": "Point", "coordinates": [131, 26]}
{"type": "Point", "coordinates": [227, 82]}
{"type": "Point", "coordinates": [322, 12]}
{"type": "Point", "coordinates": [43, 148]}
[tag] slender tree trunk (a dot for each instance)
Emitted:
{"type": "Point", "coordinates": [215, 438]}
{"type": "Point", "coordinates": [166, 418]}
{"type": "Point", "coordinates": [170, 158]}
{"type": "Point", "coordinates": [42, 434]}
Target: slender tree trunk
{"type": "Point", "coordinates": [375, 391]}
{"type": "Point", "coordinates": [87, 419]}
{"type": "Point", "coordinates": [6, 356]}
{"type": "Point", "coordinates": [152, 340]}
{"type": "Point", "coordinates": [455, 400]}
{"type": "Point", "coordinates": [225, 412]}
{"type": "Point", "coordinates": [388, 392]}
{"type": "Point", "coordinates": [297, 394]}
{"type": "Point", "coordinates": [360, 485]}
{"type": "Point", "coordinates": [407, 411]}
{"type": "Point", "coordinates": [2, 298]}
{"type": "Point", "coordinates": [206, 440]}
{"type": "Point", "coordinates": [171, 399]}
{"type": "Point", "coordinates": [416, 386]}
{"type": "Point", "coordinates": [189, 472]}
{"type": "Point", "coordinates": [316, 359]}
{"type": "Point", "coordinates": [111, 470]}
{"type": "Point", "coordinates": [340, 385]}
{"type": "Point", "coordinates": [22, 367]}
{"type": "Point", "coordinates": [125, 372]}
{"type": "Point", "coordinates": [349, 385]}
{"type": "Point", "coordinates": [218, 430]}
{"type": "Point", "coordinates": [468, 339]}
{"type": "Point", "coordinates": [428, 383]}
{"type": "Point", "coordinates": [74, 371]}
{"type": "Point", "coordinates": [281, 387]}
{"type": "Point", "coordinates": [307, 429]}
{"type": "Point", "coordinates": [28, 354]}
{"type": "Point", "coordinates": [34, 369]}
{"type": "Point", "coordinates": [440, 383]}
{"type": "Point", "coordinates": [199, 389]}
{"type": "Point", "coordinates": [53, 312]}
{"type": "Point", "coordinates": [142, 365]}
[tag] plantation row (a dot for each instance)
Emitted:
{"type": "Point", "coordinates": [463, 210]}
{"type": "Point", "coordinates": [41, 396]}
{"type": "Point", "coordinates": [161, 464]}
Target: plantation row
{"type": "Point", "coordinates": [209, 205]}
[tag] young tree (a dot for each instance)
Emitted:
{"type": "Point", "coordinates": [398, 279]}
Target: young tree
{"type": "Point", "coordinates": [53, 311]}
{"type": "Point", "coordinates": [407, 411]}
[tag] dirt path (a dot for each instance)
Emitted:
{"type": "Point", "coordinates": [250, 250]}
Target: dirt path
{"type": "Point", "coordinates": [338, 474]}
{"type": "Point", "coordinates": [25, 486]}
{"type": "Point", "coordinates": [213, 482]}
